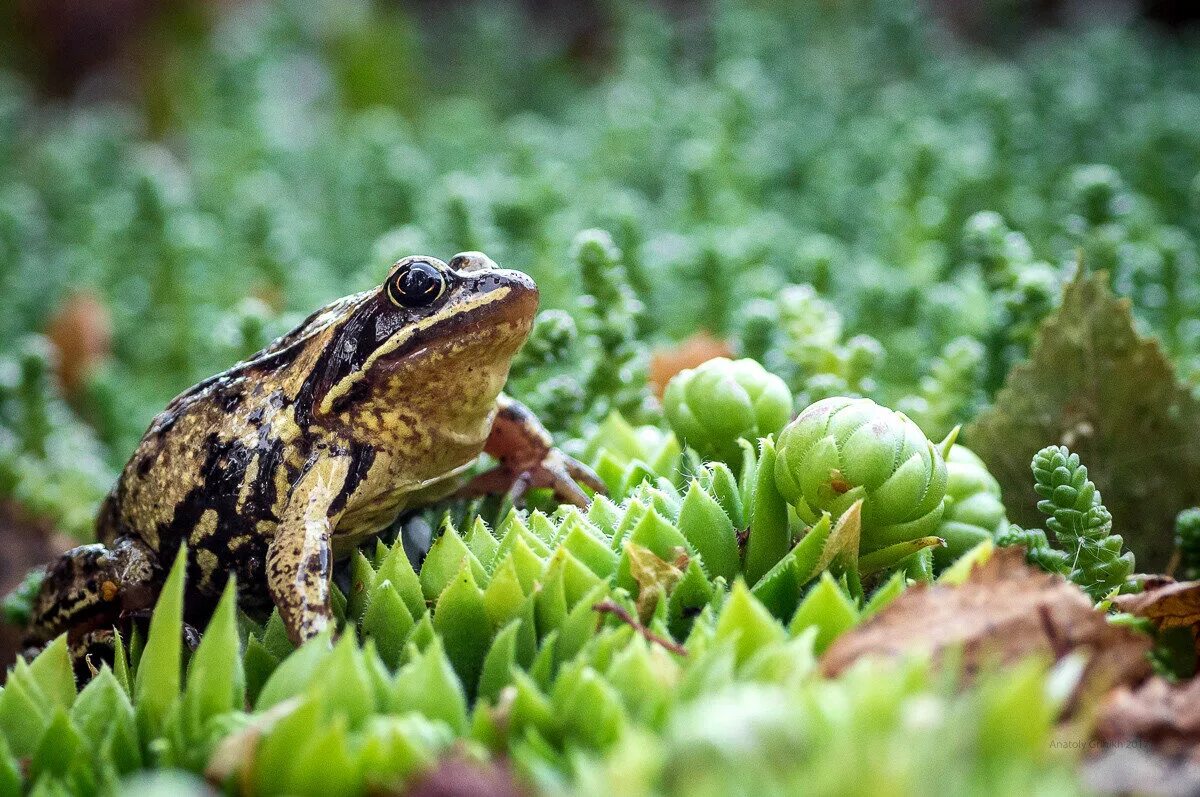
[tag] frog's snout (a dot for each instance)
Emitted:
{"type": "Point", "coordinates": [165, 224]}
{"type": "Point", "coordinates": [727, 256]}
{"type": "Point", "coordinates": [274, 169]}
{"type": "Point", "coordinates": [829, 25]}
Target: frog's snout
{"type": "Point", "coordinates": [522, 293]}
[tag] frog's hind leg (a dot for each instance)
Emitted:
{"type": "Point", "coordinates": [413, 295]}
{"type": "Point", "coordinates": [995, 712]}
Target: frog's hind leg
{"type": "Point", "coordinates": [89, 589]}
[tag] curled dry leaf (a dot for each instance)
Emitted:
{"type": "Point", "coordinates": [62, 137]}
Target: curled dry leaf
{"type": "Point", "coordinates": [1003, 612]}
{"type": "Point", "coordinates": [651, 573]}
{"type": "Point", "coordinates": [1171, 605]}
{"type": "Point", "coordinates": [1168, 605]}
{"type": "Point", "coordinates": [1159, 713]}
{"type": "Point", "coordinates": [81, 332]}
{"type": "Point", "coordinates": [667, 361]}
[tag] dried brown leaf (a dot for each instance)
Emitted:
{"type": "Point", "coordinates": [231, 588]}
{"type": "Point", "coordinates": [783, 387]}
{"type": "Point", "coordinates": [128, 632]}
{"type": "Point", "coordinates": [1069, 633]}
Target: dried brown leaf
{"type": "Point", "coordinates": [81, 331]}
{"type": "Point", "coordinates": [654, 577]}
{"type": "Point", "coordinates": [1175, 605]}
{"type": "Point", "coordinates": [1003, 612]}
{"type": "Point", "coordinates": [1162, 714]}
{"type": "Point", "coordinates": [844, 539]}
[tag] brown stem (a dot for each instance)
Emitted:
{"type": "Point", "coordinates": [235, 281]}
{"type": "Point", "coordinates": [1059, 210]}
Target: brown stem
{"type": "Point", "coordinates": [608, 606]}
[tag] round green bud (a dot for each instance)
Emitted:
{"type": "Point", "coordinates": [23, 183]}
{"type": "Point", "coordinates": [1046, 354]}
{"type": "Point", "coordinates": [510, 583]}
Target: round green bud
{"type": "Point", "coordinates": [714, 404]}
{"type": "Point", "coordinates": [974, 512]}
{"type": "Point", "coordinates": [842, 449]}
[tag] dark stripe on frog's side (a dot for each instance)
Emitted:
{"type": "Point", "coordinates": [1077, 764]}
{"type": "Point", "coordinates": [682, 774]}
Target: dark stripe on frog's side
{"type": "Point", "coordinates": [362, 456]}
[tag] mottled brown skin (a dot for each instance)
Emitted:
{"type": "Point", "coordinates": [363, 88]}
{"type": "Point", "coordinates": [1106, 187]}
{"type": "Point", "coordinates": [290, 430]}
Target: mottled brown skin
{"type": "Point", "coordinates": [277, 467]}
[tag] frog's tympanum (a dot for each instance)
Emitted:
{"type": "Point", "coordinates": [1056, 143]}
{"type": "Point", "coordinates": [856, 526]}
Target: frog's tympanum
{"type": "Point", "coordinates": [279, 466]}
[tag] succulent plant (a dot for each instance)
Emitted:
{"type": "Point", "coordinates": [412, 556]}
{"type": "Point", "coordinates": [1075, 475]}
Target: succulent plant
{"type": "Point", "coordinates": [974, 512]}
{"type": "Point", "coordinates": [840, 450]}
{"type": "Point", "coordinates": [712, 406]}
{"type": "Point", "coordinates": [1080, 522]}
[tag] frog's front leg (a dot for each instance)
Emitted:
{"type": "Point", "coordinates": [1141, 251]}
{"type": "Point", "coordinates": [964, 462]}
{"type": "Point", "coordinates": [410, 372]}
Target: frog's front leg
{"type": "Point", "coordinates": [528, 458]}
{"type": "Point", "coordinates": [300, 557]}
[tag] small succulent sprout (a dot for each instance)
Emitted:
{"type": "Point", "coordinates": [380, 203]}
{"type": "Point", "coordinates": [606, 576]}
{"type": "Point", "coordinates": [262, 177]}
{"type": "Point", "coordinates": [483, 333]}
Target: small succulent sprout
{"type": "Point", "coordinates": [974, 512]}
{"type": "Point", "coordinates": [712, 406]}
{"type": "Point", "coordinates": [1080, 522]}
{"type": "Point", "coordinates": [840, 450]}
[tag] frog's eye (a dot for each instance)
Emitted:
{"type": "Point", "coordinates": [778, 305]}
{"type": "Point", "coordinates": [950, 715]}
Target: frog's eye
{"type": "Point", "coordinates": [416, 284]}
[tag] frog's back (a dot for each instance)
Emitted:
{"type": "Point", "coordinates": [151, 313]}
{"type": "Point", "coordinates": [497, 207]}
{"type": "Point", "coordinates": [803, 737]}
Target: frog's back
{"type": "Point", "coordinates": [214, 468]}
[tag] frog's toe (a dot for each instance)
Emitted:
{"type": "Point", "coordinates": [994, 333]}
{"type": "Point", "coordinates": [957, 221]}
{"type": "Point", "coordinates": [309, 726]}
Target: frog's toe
{"type": "Point", "coordinates": [557, 475]}
{"type": "Point", "coordinates": [555, 471]}
{"type": "Point", "coordinates": [565, 475]}
{"type": "Point", "coordinates": [584, 475]}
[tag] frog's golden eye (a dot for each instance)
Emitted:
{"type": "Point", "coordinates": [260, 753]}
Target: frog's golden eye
{"type": "Point", "coordinates": [416, 284]}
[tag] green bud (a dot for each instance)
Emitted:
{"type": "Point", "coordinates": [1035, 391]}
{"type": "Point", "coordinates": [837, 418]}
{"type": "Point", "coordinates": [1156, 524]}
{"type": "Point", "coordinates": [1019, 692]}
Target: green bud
{"type": "Point", "coordinates": [974, 512]}
{"type": "Point", "coordinates": [713, 405]}
{"type": "Point", "coordinates": [840, 450]}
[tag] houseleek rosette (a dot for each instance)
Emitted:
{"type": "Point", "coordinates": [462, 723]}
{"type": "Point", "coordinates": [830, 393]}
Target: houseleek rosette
{"type": "Point", "coordinates": [720, 401]}
{"type": "Point", "coordinates": [973, 512]}
{"type": "Point", "coordinates": [840, 450]}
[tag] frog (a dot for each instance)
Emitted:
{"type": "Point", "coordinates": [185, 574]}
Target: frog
{"type": "Point", "coordinates": [273, 470]}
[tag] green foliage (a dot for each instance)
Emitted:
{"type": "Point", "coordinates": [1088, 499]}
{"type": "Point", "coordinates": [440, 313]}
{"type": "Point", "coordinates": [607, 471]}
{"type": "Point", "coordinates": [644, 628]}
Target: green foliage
{"type": "Point", "coordinates": [801, 336]}
{"type": "Point", "coordinates": [1096, 385]}
{"type": "Point", "coordinates": [17, 606]}
{"type": "Point", "coordinates": [521, 664]}
{"type": "Point", "coordinates": [714, 405]}
{"type": "Point", "coordinates": [551, 639]}
{"type": "Point", "coordinates": [950, 394]}
{"type": "Point", "coordinates": [775, 733]}
{"type": "Point", "coordinates": [1038, 549]}
{"type": "Point", "coordinates": [50, 461]}
{"type": "Point", "coordinates": [1080, 522]}
{"type": "Point", "coordinates": [1187, 541]}
{"type": "Point", "coordinates": [974, 512]}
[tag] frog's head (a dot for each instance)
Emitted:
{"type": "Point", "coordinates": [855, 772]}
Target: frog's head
{"type": "Point", "coordinates": [429, 347]}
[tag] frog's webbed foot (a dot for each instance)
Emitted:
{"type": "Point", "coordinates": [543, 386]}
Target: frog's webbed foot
{"type": "Point", "coordinates": [300, 558]}
{"type": "Point", "coordinates": [529, 459]}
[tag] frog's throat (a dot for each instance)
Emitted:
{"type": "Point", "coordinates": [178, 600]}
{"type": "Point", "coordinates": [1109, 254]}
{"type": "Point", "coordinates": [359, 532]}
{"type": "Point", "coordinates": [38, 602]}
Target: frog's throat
{"type": "Point", "coordinates": [402, 337]}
